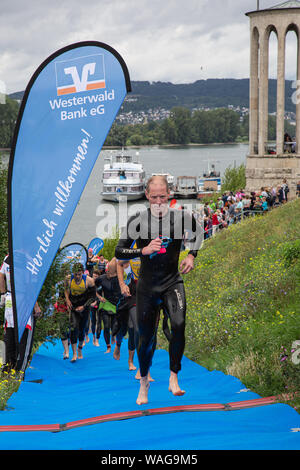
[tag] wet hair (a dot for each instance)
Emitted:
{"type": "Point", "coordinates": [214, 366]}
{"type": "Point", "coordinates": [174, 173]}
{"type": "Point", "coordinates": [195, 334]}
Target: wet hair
{"type": "Point", "coordinates": [153, 178]}
{"type": "Point", "coordinates": [77, 267]}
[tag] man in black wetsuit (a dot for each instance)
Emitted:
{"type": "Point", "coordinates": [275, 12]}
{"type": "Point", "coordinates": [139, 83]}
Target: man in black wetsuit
{"type": "Point", "coordinates": [158, 232]}
{"type": "Point", "coordinates": [109, 293]}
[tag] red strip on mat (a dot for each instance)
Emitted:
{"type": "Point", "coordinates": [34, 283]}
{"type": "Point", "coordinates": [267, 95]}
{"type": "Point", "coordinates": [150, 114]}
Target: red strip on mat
{"type": "Point", "coordinates": [33, 427]}
{"type": "Point", "coordinates": [251, 403]}
{"type": "Point", "coordinates": [139, 413]}
{"type": "Point", "coordinates": [174, 409]}
{"type": "Point", "coordinates": [103, 418]}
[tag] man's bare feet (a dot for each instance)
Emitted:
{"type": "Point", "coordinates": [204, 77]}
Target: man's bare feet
{"type": "Point", "coordinates": [113, 339]}
{"type": "Point", "coordinates": [131, 366]}
{"type": "Point", "coordinates": [74, 358]}
{"type": "Point", "coordinates": [117, 353]}
{"type": "Point", "coordinates": [95, 342]}
{"type": "Point", "coordinates": [80, 356]}
{"type": "Point", "coordinates": [108, 349]}
{"type": "Point", "coordinates": [87, 339]}
{"type": "Point", "coordinates": [174, 386]}
{"type": "Point", "coordinates": [142, 398]}
{"type": "Point", "coordinates": [138, 376]}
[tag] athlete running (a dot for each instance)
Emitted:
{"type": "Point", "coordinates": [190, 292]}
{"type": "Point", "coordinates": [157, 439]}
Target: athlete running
{"type": "Point", "coordinates": [158, 232]}
{"type": "Point", "coordinates": [126, 311]}
{"type": "Point", "coordinates": [108, 291]}
{"type": "Point", "coordinates": [80, 292]}
{"type": "Point", "coordinates": [96, 314]}
{"type": "Point", "coordinates": [126, 318]}
{"type": "Point", "coordinates": [102, 263]}
{"type": "Point", "coordinates": [91, 262]}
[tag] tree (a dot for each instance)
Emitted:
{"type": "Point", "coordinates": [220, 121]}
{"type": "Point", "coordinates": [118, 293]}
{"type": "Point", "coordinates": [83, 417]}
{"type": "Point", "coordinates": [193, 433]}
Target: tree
{"type": "Point", "coordinates": [234, 178]}
{"type": "Point", "coordinates": [169, 130]}
{"type": "Point", "coordinates": [182, 120]}
{"type": "Point", "coordinates": [8, 116]}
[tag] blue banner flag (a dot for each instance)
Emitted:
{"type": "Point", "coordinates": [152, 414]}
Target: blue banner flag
{"type": "Point", "coordinates": [73, 252]}
{"type": "Point", "coordinates": [96, 245]}
{"type": "Point", "coordinates": [67, 111]}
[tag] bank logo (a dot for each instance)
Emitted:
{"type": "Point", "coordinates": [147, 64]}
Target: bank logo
{"type": "Point", "coordinates": [80, 74]}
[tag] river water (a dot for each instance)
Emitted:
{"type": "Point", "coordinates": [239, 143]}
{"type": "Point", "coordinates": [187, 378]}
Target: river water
{"type": "Point", "coordinates": [95, 217]}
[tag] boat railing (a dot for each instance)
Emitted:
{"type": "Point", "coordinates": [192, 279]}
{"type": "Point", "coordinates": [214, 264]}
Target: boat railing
{"type": "Point", "coordinates": [211, 174]}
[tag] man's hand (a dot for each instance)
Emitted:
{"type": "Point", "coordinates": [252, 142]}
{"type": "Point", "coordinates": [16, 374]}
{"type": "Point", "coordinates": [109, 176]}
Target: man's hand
{"type": "Point", "coordinates": [125, 290]}
{"type": "Point", "coordinates": [153, 247]}
{"type": "Point", "coordinates": [79, 309]}
{"type": "Point", "coordinates": [187, 264]}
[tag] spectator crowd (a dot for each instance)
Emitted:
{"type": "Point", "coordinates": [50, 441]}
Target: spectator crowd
{"type": "Point", "coordinates": [231, 207]}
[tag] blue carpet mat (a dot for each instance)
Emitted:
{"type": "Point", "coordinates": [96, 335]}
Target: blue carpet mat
{"type": "Point", "coordinates": [99, 385]}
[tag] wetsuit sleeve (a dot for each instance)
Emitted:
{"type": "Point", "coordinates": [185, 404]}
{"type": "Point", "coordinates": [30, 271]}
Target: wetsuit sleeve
{"type": "Point", "coordinates": [123, 249]}
{"type": "Point", "coordinates": [194, 233]}
{"type": "Point", "coordinates": [91, 295]}
{"type": "Point", "coordinates": [98, 285]}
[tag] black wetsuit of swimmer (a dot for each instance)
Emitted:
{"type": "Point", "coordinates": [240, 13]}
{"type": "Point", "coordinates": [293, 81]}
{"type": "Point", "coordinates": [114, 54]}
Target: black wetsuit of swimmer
{"type": "Point", "coordinates": [109, 288]}
{"type": "Point", "coordinates": [159, 279]}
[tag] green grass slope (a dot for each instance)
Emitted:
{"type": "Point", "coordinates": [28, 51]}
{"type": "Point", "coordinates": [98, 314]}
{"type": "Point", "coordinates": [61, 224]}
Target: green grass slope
{"type": "Point", "coordinates": [243, 304]}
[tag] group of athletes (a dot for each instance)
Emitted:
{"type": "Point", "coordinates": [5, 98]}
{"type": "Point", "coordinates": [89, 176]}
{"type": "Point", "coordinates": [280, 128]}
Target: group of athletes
{"type": "Point", "coordinates": [131, 300]}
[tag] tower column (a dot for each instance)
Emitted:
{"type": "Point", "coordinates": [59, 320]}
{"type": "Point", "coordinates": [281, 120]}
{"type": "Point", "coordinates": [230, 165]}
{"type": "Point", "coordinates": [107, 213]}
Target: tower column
{"type": "Point", "coordinates": [253, 120]}
{"type": "Point", "coordinates": [280, 93]}
{"type": "Point", "coordinates": [298, 96]}
{"type": "Point", "coordinates": [263, 91]}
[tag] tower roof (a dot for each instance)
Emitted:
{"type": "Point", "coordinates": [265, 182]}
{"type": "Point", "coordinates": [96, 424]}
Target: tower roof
{"type": "Point", "coordinates": [280, 6]}
{"type": "Point", "coordinates": [290, 4]}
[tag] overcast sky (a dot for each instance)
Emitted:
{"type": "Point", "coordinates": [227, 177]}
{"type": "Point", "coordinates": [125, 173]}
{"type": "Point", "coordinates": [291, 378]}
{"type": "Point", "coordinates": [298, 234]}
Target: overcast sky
{"type": "Point", "coordinates": [179, 41]}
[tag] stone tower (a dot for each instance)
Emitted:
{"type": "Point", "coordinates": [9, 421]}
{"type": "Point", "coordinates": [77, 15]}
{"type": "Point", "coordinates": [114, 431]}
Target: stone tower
{"type": "Point", "coordinates": [262, 167]}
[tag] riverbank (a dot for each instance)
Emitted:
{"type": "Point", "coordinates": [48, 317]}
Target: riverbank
{"type": "Point", "coordinates": [191, 145]}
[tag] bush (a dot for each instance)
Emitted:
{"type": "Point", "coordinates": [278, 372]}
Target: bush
{"type": "Point", "coordinates": [291, 252]}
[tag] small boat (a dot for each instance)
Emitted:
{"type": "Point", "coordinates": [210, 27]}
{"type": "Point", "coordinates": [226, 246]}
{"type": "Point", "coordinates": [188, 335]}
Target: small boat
{"type": "Point", "coordinates": [186, 187]}
{"type": "Point", "coordinates": [123, 178]}
{"type": "Point", "coordinates": [170, 179]}
{"type": "Point", "coordinates": [209, 183]}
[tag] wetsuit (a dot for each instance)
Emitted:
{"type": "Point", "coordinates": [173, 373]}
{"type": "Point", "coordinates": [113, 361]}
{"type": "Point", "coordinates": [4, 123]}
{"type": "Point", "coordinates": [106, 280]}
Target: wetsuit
{"type": "Point", "coordinates": [101, 266]}
{"type": "Point", "coordinates": [80, 295]}
{"type": "Point", "coordinates": [95, 317]}
{"type": "Point", "coordinates": [126, 313]}
{"type": "Point", "coordinates": [108, 287]}
{"type": "Point", "coordinates": [159, 279]}
{"type": "Point", "coordinates": [90, 265]}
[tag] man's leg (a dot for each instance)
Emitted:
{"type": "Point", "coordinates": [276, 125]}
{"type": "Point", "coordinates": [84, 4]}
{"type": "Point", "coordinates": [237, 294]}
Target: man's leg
{"type": "Point", "coordinates": [98, 327]}
{"type": "Point", "coordinates": [83, 319]}
{"type": "Point", "coordinates": [131, 337]}
{"type": "Point", "coordinates": [146, 319]}
{"type": "Point", "coordinates": [106, 330]}
{"type": "Point", "coordinates": [119, 337]}
{"type": "Point", "coordinates": [175, 305]}
{"type": "Point", "coordinates": [74, 334]}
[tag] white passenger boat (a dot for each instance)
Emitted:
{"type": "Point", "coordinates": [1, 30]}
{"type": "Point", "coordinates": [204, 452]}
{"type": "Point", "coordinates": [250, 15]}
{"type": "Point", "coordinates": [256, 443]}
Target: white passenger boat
{"type": "Point", "coordinates": [209, 183]}
{"type": "Point", "coordinates": [123, 178]}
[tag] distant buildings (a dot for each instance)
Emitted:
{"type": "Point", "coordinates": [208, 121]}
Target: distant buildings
{"type": "Point", "coordinates": [142, 117]}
